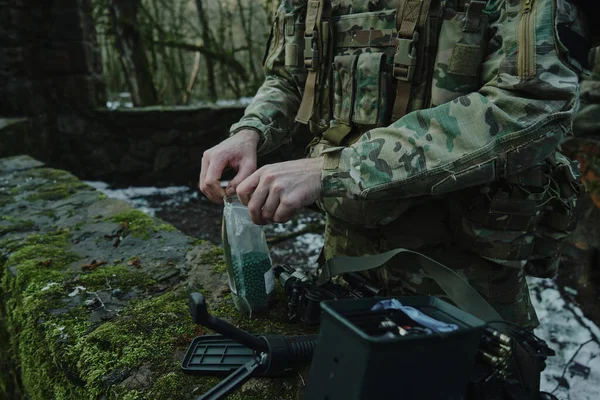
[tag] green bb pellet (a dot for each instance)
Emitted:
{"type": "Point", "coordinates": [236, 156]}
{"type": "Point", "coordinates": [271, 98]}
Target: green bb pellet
{"type": "Point", "coordinates": [249, 270]}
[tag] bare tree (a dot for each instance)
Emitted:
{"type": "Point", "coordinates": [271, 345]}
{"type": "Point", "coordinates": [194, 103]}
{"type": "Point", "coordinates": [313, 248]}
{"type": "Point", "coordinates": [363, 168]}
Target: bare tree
{"type": "Point", "coordinates": [132, 52]}
{"type": "Point", "coordinates": [206, 38]}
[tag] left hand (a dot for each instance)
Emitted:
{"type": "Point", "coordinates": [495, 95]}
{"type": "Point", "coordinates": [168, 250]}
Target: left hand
{"type": "Point", "coordinates": [276, 191]}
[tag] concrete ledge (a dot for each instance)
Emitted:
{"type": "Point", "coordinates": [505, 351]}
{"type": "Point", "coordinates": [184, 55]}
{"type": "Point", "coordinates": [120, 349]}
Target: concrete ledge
{"type": "Point", "coordinates": [94, 293]}
{"type": "Point", "coordinates": [15, 135]}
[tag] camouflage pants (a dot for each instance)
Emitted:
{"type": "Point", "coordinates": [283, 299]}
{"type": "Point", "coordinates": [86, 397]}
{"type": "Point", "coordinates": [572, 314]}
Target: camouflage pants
{"type": "Point", "coordinates": [426, 228]}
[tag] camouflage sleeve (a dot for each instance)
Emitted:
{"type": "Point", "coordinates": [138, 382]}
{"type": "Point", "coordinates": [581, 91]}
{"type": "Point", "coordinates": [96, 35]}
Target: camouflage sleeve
{"type": "Point", "coordinates": [273, 110]}
{"type": "Point", "coordinates": [510, 124]}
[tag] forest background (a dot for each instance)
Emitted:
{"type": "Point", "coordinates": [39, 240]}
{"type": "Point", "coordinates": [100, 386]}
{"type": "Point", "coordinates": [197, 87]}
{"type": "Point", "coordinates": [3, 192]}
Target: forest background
{"type": "Point", "coordinates": [182, 52]}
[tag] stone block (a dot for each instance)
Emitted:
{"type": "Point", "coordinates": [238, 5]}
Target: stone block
{"type": "Point", "coordinates": [166, 138]}
{"type": "Point", "coordinates": [21, 96]}
{"type": "Point", "coordinates": [14, 62]}
{"type": "Point", "coordinates": [74, 91]}
{"type": "Point", "coordinates": [71, 124]}
{"type": "Point", "coordinates": [66, 58]}
{"type": "Point", "coordinates": [130, 164]}
{"type": "Point", "coordinates": [142, 149]}
{"type": "Point", "coordinates": [167, 157]}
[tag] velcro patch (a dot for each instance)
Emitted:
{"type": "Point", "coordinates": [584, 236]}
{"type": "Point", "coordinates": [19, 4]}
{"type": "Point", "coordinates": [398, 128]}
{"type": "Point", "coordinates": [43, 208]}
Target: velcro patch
{"type": "Point", "coordinates": [465, 60]}
{"type": "Point", "coordinates": [291, 55]}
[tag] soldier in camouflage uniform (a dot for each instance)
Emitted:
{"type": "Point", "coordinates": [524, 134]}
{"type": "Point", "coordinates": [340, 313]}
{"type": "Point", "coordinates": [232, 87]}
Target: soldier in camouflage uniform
{"type": "Point", "coordinates": [437, 126]}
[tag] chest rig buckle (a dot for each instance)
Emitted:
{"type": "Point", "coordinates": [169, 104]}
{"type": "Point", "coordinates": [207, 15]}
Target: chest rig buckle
{"type": "Point", "coordinates": [311, 51]}
{"type": "Point", "coordinates": [405, 58]}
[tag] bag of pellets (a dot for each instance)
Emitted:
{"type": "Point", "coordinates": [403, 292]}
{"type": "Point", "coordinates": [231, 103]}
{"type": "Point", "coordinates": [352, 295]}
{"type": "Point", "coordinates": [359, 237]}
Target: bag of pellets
{"type": "Point", "coordinates": [249, 265]}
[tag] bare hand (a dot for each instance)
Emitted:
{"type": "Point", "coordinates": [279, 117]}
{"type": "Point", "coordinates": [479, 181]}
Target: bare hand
{"type": "Point", "coordinates": [237, 152]}
{"type": "Point", "coordinates": [276, 191]}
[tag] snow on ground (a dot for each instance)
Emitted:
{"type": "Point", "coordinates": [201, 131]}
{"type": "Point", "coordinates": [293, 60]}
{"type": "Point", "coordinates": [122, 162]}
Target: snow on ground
{"type": "Point", "coordinates": [138, 197]}
{"type": "Point", "coordinates": [574, 338]}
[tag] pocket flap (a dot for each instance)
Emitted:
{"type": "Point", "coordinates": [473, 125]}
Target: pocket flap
{"type": "Point", "coordinates": [344, 87]}
{"type": "Point", "coordinates": [368, 88]}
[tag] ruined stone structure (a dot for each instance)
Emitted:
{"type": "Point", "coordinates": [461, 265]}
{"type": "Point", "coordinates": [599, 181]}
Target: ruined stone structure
{"type": "Point", "coordinates": [52, 104]}
{"type": "Point", "coordinates": [93, 293]}
{"type": "Point", "coordinates": [94, 296]}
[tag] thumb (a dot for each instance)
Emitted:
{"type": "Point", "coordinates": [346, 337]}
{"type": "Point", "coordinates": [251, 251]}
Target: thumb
{"type": "Point", "coordinates": [246, 169]}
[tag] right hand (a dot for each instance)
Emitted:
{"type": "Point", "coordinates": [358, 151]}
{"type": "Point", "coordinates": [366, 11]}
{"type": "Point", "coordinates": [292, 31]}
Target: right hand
{"type": "Point", "coordinates": [237, 152]}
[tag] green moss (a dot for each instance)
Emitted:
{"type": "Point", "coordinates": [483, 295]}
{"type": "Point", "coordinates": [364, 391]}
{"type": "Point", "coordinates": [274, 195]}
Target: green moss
{"type": "Point", "coordinates": [49, 174]}
{"type": "Point", "coordinates": [36, 290]}
{"type": "Point", "coordinates": [141, 224]}
{"type": "Point", "coordinates": [57, 191]}
{"type": "Point", "coordinates": [38, 259]}
{"type": "Point", "coordinates": [118, 276]}
{"type": "Point", "coordinates": [101, 196]}
{"type": "Point", "coordinates": [214, 257]}
{"type": "Point", "coordinates": [9, 224]}
{"type": "Point", "coordinates": [275, 321]}
{"type": "Point", "coordinates": [5, 199]}
{"type": "Point", "coordinates": [79, 225]}
{"type": "Point", "coordinates": [146, 333]}
{"type": "Point", "coordinates": [48, 213]}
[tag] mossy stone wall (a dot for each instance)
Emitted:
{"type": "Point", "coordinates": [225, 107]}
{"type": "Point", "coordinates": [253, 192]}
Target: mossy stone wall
{"type": "Point", "coordinates": [93, 296]}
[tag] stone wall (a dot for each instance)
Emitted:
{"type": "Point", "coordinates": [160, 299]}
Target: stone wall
{"type": "Point", "coordinates": [147, 146]}
{"type": "Point", "coordinates": [51, 84]}
{"type": "Point", "coordinates": [48, 57]}
{"type": "Point", "coordinates": [93, 296]}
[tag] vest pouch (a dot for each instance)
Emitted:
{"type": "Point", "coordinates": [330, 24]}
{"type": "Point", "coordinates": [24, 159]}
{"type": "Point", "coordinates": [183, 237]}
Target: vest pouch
{"type": "Point", "coordinates": [294, 49]}
{"type": "Point", "coordinates": [344, 88]}
{"type": "Point", "coordinates": [459, 56]}
{"type": "Point", "coordinates": [369, 103]}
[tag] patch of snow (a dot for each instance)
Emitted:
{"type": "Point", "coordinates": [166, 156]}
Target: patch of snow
{"type": "Point", "coordinates": [48, 286]}
{"type": "Point", "coordinates": [313, 243]}
{"type": "Point", "coordinates": [565, 329]}
{"type": "Point", "coordinates": [136, 196]}
{"type": "Point", "coordinates": [570, 290]}
{"type": "Point", "coordinates": [77, 290]}
{"type": "Point", "coordinates": [243, 101]}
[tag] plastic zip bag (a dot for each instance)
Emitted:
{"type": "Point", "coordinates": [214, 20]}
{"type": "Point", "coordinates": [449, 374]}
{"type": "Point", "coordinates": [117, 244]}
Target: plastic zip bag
{"type": "Point", "coordinates": [249, 264]}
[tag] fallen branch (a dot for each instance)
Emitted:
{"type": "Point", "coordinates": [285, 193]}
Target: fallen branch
{"type": "Point", "coordinates": [223, 58]}
{"type": "Point", "coordinates": [193, 79]}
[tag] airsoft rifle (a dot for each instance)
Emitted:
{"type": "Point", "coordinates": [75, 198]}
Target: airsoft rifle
{"type": "Point", "coordinates": [365, 352]}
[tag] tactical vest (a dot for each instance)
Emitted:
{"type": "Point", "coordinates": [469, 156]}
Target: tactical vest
{"type": "Point", "coordinates": [362, 67]}
{"type": "Point", "coordinates": [365, 64]}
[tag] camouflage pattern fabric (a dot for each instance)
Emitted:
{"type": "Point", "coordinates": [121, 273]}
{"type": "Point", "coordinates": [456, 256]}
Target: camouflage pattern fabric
{"type": "Point", "coordinates": [428, 232]}
{"type": "Point", "coordinates": [488, 110]}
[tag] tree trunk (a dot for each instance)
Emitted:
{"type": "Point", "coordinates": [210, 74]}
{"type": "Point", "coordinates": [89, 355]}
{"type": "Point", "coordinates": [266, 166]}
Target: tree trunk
{"type": "Point", "coordinates": [132, 52]}
{"type": "Point", "coordinates": [210, 68]}
{"type": "Point", "coordinates": [247, 28]}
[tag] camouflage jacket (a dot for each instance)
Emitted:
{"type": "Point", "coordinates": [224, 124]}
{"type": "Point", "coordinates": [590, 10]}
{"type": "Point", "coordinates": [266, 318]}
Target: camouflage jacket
{"type": "Point", "coordinates": [485, 104]}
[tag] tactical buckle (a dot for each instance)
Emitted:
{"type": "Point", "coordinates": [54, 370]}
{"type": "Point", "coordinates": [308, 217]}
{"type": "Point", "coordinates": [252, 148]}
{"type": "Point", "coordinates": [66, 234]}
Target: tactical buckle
{"type": "Point", "coordinates": [311, 51]}
{"type": "Point", "coordinates": [405, 59]}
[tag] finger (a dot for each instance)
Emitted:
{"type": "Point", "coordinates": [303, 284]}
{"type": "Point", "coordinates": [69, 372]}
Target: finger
{"type": "Point", "coordinates": [247, 168]}
{"type": "Point", "coordinates": [214, 191]}
{"type": "Point", "coordinates": [247, 187]}
{"type": "Point", "coordinates": [203, 169]}
{"type": "Point", "coordinates": [285, 212]}
{"type": "Point", "coordinates": [256, 203]}
{"type": "Point", "coordinates": [271, 204]}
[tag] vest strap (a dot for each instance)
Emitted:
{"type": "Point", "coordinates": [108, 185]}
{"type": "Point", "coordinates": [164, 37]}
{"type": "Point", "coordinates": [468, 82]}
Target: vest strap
{"type": "Point", "coordinates": [474, 11]}
{"type": "Point", "coordinates": [313, 56]}
{"type": "Point", "coordinates": [411, 16]}
{"type": "Point", "coordinates": [455, 287]}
